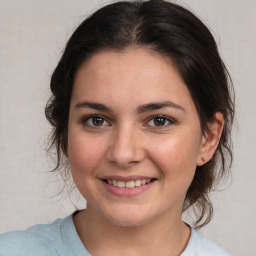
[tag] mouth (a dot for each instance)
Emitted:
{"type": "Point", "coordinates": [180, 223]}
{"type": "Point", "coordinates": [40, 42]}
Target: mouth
{"type": "Point", "coordinates": [128, 183]}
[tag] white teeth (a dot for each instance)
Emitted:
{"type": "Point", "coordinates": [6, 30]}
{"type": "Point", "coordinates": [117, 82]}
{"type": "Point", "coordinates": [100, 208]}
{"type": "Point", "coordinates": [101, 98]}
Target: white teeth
{"type": "Point", "coordinates": [128, 184]}
{"type": "Point", "coordinates": [121, 184]}
{"type": "Point", "coordinates": [137, 183]}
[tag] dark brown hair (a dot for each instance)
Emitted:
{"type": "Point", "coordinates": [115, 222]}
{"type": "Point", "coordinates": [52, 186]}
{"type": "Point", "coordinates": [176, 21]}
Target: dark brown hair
{"type": "Point", "coordinates": [174, 32]}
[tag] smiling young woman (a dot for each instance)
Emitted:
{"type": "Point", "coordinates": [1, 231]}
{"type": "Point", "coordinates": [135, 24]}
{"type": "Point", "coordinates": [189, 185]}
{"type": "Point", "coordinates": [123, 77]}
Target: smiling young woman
{"type": "Point", "coordinates": [146, 130]}
{"type": "Point", "coordinates": [142, 109]}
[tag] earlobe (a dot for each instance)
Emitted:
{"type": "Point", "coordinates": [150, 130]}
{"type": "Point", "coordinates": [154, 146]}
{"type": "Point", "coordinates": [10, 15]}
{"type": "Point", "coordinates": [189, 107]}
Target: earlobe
{"type": "Point", "coordinates": [211, 139]}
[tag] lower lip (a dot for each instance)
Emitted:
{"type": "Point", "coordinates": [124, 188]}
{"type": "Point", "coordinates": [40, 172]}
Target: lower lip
{"type": "Point", "coordinates": [127, 192]}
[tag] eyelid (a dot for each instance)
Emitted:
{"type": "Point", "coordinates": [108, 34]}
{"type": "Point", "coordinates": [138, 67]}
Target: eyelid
{"type": "Point", "coordinates": [170, 120]}
{"type": "Point", "coordinates": [86, 118]}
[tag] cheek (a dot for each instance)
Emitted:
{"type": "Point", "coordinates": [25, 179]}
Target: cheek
{"type": "Point", "coordinates": [176, 155]}
{"type": "Point", "coordinates": [84, 153]}
{"type": "Point", "coordinates": [176, 162]}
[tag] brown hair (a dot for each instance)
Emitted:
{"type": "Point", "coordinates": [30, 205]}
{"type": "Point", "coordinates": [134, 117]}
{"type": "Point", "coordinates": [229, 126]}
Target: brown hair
{"type": "Point", "coordinates": [172, 31]}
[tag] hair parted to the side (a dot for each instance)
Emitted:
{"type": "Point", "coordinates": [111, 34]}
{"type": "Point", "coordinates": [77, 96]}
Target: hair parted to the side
{"type": "Point", "coordinates": [174, 32]}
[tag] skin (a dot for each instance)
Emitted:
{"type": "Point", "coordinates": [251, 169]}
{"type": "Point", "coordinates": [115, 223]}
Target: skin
{"type": "Point", "coordinates": [128, 140]}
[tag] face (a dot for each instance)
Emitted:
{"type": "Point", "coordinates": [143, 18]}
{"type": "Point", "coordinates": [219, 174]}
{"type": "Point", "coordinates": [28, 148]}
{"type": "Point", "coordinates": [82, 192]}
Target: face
{"type": "Point", "coordinates": [134, 137]}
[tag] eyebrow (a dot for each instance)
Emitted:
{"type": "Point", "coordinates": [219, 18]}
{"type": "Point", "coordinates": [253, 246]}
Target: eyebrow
{"type": "Point", "coordinates": [94, 105]}
{"type": "Point", "coordinates": [140, 109]}
{"type": "Point", "coordinates": [158, 105]}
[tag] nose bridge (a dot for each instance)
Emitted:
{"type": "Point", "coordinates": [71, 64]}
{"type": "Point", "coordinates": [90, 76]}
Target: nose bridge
{"type": "Point", "coordinates": [125, 148]}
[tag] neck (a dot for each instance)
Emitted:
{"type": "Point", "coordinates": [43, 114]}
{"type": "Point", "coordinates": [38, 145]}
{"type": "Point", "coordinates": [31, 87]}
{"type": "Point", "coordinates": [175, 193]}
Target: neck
{"type": "Point", "coordinates": [164, 236]}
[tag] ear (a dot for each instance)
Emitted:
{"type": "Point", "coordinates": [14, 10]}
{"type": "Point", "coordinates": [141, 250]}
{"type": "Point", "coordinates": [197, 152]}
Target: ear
{"type": "Point", "coordinates": [210, 139]}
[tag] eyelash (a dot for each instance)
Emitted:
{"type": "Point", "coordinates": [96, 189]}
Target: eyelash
{"type": "Point", "coordinates": [85, 121]}
{"type": "Point", "coordinates": [165, 118]}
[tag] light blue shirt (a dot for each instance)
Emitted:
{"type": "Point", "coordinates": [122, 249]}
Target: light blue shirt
{"type": "Point", "coordinates": [60, 238]}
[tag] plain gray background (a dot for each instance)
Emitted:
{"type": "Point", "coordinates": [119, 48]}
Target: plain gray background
{"type": "Point", "coordinates": [32, 36]}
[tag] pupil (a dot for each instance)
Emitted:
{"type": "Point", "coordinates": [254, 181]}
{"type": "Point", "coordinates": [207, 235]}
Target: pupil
{"type": "Point", "coordinates": [159, 121]}
{"type": "Point", "coordinates": [97, 121]}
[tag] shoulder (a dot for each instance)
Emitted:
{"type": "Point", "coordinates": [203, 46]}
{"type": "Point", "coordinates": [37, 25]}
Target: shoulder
{"type": "Point", "coordinates": [201, 246]}
{"type": "Point", "coordinates": [38, 240]}
{"type": "Point", "coordinates": [208, 247]}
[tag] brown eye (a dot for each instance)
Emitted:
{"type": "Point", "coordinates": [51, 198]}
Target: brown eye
{"type": "Point", "coordinates": [95, 121]}
{"type": "Point", "coordinates": [159, 121]}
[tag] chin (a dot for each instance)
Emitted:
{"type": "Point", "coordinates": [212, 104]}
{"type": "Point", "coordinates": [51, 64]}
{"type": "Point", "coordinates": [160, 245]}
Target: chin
{"type": "Point", "coordinates": [128, 219]}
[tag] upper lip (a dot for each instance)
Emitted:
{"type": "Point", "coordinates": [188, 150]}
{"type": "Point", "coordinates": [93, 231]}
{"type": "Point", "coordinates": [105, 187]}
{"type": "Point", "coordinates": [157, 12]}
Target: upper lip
{"type": "Point", "coordinates": [126, 178]}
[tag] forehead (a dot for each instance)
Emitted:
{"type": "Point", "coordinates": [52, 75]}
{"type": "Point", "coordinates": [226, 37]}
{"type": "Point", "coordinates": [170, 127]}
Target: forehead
{"type": "Point", "coordinates": [134, 75]}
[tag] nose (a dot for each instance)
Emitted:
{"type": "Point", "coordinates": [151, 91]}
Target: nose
{"type": "Point", "coordinates": [126, 147]}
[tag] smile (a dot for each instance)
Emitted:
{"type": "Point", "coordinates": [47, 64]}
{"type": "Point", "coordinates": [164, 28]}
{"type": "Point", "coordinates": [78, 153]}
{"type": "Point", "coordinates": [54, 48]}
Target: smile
{"type": "Point", "coordinates": [128, 184]}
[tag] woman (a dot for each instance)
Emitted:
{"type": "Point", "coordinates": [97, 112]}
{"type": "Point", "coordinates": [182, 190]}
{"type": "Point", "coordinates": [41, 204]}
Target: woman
{"type": "Point", "coordinates": [142, 109]}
